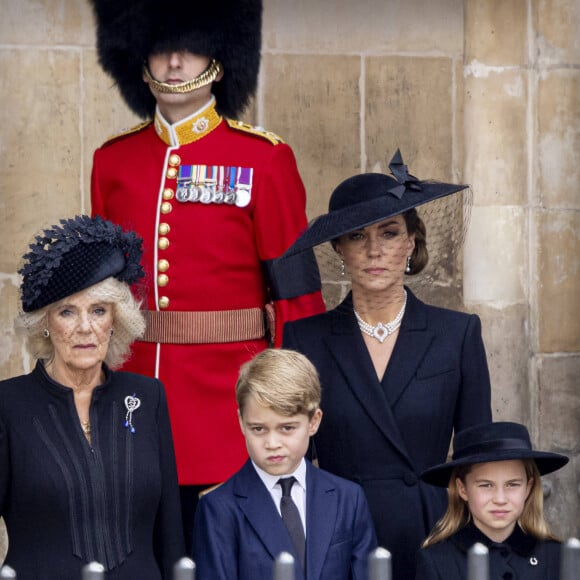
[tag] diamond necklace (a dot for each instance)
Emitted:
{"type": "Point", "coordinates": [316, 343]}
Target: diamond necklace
{"type": "Point", "coordinates": [381, 331]}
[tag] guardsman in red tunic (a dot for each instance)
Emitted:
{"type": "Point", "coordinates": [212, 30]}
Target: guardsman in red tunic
{"type": "Point", "coordinates": [215, 200]}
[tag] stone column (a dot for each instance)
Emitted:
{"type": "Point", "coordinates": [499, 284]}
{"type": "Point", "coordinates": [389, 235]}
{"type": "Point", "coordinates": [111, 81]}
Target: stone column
{"type": "Point", "coordinates": [556, 246]}
{"type": "Point", "coordinates": [522, 137]}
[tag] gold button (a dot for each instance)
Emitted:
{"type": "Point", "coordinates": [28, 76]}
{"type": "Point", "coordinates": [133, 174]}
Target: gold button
{"type": "Point", "coordinates": [164, 228]}
{"type": "Point", "coordinates": [174, 160]}
{"type": "Point", "coordinates": [162, 280]}
{"type": "Point", "coordinates": [163, 265]}
{"type": "Point", "coordinates": [166, 207]}
{"type": "Point", "coordinates": [163, 243]}
{"type": "Point", "coordinates": [163, 302]}
{"type": "Point", "coordinates": [171, 173]}
{"type": "Point", "coordinates": [168, 193]}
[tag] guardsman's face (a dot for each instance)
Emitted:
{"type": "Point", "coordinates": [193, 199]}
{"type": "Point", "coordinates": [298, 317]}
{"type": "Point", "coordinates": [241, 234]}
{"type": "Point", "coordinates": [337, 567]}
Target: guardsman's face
{"type": "Point", "coordinates": [174, 68]}
{"type": "Point", "coordinates": [177, 66]}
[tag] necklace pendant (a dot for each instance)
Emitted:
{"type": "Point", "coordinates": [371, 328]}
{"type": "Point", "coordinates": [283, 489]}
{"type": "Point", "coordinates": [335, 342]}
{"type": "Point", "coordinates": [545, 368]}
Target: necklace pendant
{"type": "Point", "coordinates": [380, 332]}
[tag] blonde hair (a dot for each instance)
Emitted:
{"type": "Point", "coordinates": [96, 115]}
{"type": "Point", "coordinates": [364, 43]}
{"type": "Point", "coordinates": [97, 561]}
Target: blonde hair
{"type": "Point", "coordinates": [282, 380]}
{"type": "Point", "coordinates": [128, 323]}
{"type": "Point", "coordinates": [531, 521]}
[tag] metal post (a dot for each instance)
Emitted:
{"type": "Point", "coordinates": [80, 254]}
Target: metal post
{"type": "Point", "coordinates": [93, 571]}
{"type": "Point", "coordinates": [284, 567]}
{"type": "Point", "coordinates": [184, 569]}
{"type": "Point", "coordinates": [570, 560]}
{"type": "Point", "coordinates": [380, 564]}
{"type": "Point", "coordinates": [7, 572]}
{"type": "Point", "coordinates": [478, 562]}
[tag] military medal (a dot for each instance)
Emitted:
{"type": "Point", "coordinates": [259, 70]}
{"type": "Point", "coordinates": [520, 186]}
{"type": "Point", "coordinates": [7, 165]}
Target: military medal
{"type": "Point", "coordinates": [244, 186]}
{"type": "Point", "coordinates": [214, 184]}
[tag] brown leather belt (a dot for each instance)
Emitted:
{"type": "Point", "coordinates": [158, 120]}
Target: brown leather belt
{"type": "Point", "coordinates": [204, 327]}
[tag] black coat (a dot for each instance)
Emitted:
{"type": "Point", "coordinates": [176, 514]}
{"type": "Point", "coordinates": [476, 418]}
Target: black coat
{"type": "Point", "coordinates": [384, 434]}
{"type": "Point", "coordinates": [67, 503]}
{"type": "Point", "coordinates": [520, 557]}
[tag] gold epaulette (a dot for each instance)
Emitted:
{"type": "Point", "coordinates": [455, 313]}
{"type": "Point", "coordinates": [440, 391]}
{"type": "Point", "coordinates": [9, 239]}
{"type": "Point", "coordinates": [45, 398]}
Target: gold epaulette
{"type": "Point", "coordinates": [128, 131]}
{"type": "Point", "coordinates": [259, 131]}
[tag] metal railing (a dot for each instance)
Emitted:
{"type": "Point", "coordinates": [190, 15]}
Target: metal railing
{"type": "Point", "coordinates": [478, 561]}
{"type": "Point", "coordinates": [379, 565]}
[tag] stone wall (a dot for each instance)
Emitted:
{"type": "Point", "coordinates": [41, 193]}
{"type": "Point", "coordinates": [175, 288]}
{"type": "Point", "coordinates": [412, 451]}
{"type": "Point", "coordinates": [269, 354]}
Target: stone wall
{"type": "Point", "coordinates": [486, 92]}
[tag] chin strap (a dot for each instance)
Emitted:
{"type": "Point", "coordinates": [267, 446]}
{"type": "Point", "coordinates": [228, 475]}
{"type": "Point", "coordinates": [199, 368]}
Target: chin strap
{"type": "Point", "coordinates": [207, 77]}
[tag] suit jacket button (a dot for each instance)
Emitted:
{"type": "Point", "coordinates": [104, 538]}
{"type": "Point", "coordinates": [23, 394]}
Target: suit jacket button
{"type": "Point", "coordinates": [410, 478]}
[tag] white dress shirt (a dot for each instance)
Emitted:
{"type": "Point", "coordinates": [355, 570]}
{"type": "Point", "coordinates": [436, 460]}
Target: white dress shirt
{"type": "Point", "coordinates": [298, 489]}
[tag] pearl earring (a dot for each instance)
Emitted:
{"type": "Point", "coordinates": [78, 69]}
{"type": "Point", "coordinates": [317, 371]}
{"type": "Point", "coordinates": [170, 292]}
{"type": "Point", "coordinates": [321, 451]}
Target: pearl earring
{"type": "Point", "coordinates": [408, 267]}
{"type": "Point", "coordinates": [342, 268]}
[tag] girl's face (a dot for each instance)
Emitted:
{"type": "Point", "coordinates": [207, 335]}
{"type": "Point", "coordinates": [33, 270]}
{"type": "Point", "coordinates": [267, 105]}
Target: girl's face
{"type": "Point", "coordinates": [375, 257]}
{"type": "Point", "coordinates": [496, 493]}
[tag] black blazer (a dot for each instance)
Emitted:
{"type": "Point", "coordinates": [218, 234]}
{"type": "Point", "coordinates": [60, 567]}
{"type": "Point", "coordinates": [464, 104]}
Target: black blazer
{"type": "Point", "coordinates": [520, 557]}
{"type": "Point", "coordinates": [67, 502]}
{"type": "Point", "coordinates": [384, 434]}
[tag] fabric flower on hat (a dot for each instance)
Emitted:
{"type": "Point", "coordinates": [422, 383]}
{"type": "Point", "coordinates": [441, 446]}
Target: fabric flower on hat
{"type": "Point", "coordinates": [74, 255]}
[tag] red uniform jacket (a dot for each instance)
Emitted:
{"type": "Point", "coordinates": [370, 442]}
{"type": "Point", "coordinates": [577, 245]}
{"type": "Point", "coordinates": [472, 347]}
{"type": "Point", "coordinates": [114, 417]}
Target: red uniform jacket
{"type": "Point", "coordinates": [213, 200]}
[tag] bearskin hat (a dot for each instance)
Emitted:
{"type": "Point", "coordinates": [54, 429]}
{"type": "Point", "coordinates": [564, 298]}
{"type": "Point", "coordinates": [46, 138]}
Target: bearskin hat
{"type": "Point", "coordinates": [128, 31]}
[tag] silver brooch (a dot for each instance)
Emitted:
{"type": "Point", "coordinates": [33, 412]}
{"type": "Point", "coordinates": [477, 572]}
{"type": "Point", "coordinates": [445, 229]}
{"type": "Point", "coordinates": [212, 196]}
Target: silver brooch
{"type": "Point", "coordinates": [132, 403]}
{"type": "Point", "coordinates": [533, 561]}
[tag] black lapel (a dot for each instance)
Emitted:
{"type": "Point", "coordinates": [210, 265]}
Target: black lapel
{"type": "Point", "coordinates": [347, 347]}
{"type": "Point", "coordinates": [258, 507]}
{"type": "Point", "coordinates": [412, 343]}
{"type": "Point", "coordinates": [321, 516]}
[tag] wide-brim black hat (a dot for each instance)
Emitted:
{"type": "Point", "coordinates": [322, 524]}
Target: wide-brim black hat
{"type": "Point", "coordinates": [75, 255]}
{"type": "Point", "coordinates": [230, 31]}
{"type": "Point", "coordinates": [500, 441]}
{"type": "Point", "coordinates": [364, 199]}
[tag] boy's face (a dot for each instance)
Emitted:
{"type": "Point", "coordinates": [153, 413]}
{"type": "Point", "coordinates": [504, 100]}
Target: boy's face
{"type": "Point", "coordinates": [276, 443]}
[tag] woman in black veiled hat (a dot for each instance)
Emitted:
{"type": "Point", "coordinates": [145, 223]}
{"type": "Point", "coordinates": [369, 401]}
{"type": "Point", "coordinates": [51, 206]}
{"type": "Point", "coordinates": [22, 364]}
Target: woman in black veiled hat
{"type": "Point", "coordinates": [87, 470]}
{"type": "Point", "coordinates": [398, 376]}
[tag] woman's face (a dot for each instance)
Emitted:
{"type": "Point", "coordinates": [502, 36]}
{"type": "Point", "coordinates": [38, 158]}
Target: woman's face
{"type": "Point", "coordinates": [376, 256]}
{"type": "Point", "coordinates": [496, 494]}
{"type": "Point", "coordinates": [80, 331]}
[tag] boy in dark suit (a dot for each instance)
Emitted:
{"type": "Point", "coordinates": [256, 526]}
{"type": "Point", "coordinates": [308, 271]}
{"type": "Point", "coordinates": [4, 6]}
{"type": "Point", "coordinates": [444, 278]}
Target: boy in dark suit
{"type": "Point", "coordinates": [322, 520]}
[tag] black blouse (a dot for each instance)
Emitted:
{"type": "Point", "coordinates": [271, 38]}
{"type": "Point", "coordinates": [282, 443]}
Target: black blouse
{"type": "Point", "coordinates": [67, 502]}
{"type": "Point", "coordinates": [519, 557]}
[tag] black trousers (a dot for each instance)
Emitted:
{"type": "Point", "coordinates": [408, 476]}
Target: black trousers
{"type": "Point", "coordinates": [189, 500]}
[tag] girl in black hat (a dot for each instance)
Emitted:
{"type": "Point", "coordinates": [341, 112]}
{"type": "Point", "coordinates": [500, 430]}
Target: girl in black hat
{"type": "Point", "coordinates": [398, 375]}
{"type": "Point", "coordinates": [495, 498]}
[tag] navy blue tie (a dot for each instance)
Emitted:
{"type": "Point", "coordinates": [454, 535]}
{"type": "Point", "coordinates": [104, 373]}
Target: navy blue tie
{"type": "Point", "coordinates": [291, 517]}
